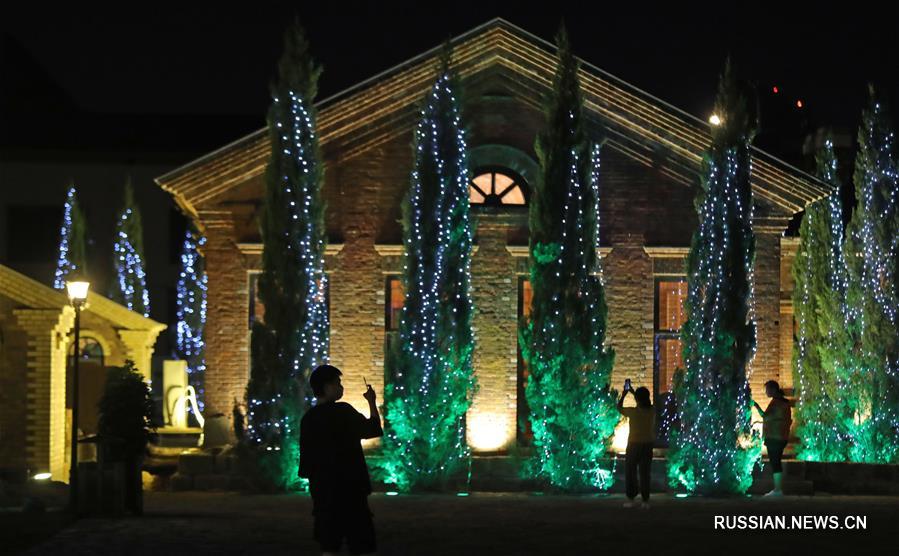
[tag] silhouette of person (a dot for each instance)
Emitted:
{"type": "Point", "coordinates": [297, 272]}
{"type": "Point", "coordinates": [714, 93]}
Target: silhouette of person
{"type": "Point", "coordinates": [778, 419]}
{"type": "Point", "coordinates": [640, 439]}
{"type": "Point", "coordinates": [331, 458]}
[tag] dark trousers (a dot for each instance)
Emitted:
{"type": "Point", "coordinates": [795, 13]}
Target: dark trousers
{"type": "Point", "coordinates": [344, 518]}
{"type": "Point", "coordinates": [637, 458]}
{"type": "Point", "coordinates": [776, 453]}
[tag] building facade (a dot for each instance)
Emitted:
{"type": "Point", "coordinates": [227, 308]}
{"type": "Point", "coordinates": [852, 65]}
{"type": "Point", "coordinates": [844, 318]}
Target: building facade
{"type": "Point", "coordinates": [36, 350]}
{"type": "Point", "coordinates": [650, 162]}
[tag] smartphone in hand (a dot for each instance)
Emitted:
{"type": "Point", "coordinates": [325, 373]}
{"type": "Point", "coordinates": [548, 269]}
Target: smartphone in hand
{"type": "Point", "coordinates": [627, 384]}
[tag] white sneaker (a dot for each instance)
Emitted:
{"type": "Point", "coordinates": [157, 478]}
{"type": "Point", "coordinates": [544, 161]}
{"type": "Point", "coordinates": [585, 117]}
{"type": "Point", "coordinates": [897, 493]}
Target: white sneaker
{"type": "Point", "coordinates": [644, 505]}
{"type": "Point", "coordinates": [630, 504]}
{"type": "Point", "coordinates": [774, 494]}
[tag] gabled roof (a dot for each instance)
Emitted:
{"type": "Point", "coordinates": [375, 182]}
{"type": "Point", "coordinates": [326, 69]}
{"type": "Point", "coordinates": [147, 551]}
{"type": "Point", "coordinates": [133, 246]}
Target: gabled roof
{"type": "Point", "coordinates": [34, 295]}
{"type": "Point", "coordinates": [643, 127]}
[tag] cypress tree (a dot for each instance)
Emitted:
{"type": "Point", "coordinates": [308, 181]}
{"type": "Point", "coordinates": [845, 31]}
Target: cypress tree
{"type": "Point", "coordinates": [293, 339]}
{"type": "Point", "coordinates": [573, 413]}
{"type": "Point", "coordinates": [191, 311]}
{"type": "Point", "coordinates": [819, 350]}
{"type": "Point", "coordinates": [131, 280]}
{"type": "Point", "coordinates": [432, 379]}
{"type": "Point", "coordinates": [72, 260]}
{"type": "Point", "coordinates": [712, 450]}
{"type": "Point", "coordinates": [873, 296]}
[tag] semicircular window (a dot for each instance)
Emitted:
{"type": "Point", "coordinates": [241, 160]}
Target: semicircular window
{"type": "Point", "coordinates": [89, 349]}
{"type": "Point", "coordinates": [497, 187]}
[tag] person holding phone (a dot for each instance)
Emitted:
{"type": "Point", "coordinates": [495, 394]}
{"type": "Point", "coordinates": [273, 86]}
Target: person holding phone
{"type": "Point", "coordinates": [331, 458]}
{"type": "Point", "coordinates": [640, 439]}
{"type": "Point", "coordinates": [778, 420]}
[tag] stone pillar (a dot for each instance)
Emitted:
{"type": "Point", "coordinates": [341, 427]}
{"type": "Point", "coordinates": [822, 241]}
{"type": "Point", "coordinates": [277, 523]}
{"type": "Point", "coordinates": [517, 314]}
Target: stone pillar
{"type": "Point", "coordinates": [491, 421]}
{"type": "Point", "coordinates": [357, 318]}
{"type": "Point", "coordinates": [45, 377]}
{"type": "Point", "coordinates": [766, 364]}
{"type": "Point", "coordinates": [628, 277]}
{"type": "Point", "coordinates": [227, 316]}
{"type": "Point", "coordinates": [139, 346]}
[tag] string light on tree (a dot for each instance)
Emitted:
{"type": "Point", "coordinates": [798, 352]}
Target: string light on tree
{"type": "Point", "coordinates": [128, 257]}
{"type": "Point", "coordinates": [72, 259]}
{"type": "Point", "coordinates": [573, 413]}
{"type": "Point", "coordinates": [872, 381]}
{"type": "Point", "coordinates": [430, 363]}
{"type": "Point", "coordinates": [713, 449]}
{"type": "Point", "coordinates": [823, 344]}
{"type": "Point", "coordinates": [191, 311]}
{"type": "Point", "coordinates": [292, 339]}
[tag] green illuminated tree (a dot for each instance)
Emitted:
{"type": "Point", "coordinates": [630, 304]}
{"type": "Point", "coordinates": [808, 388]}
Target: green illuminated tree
{"type": "Point", "coordinates": [293, 339]}
{"type": "Point", "coordinates": [432, 380]}
{"type": "Point", "coordinates": [823, 344]}
{"type": "Point", "coordinates": [712, 450]}
{"type": "Point", "coordinates": [573, 411]}
{"type": "Point", "coordinates": [872, 384]}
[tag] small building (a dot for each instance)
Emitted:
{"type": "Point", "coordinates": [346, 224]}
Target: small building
{"type": "Point", "coordinates": [650, 162]}
{"type": "Point", "coordinates": [36, 348]}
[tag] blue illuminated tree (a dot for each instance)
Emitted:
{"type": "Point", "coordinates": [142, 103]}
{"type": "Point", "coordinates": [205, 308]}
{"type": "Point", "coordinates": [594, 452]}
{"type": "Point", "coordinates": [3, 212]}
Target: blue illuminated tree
{"type": "Point", "coordinates": [292, 339]}
{"type": "Point", "coordinates": [128, 258]}
{"type": "Point", "coordinates": [72, 259]}
{"type": "Point", "coordinates": [431, 375]}
{"type": "Point", "coordinates": [572, 407]}
{"type": "Point", "coordinates": [712, 448]}
{"type": "Point", "coordinates": [191, 311]}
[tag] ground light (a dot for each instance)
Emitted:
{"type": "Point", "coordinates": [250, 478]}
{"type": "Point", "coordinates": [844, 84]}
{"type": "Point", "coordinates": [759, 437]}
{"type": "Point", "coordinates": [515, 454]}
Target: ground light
{"type": "Point", "coordinates": [461, 494]}
{"type": "Point", "coordinates": [681, 495]}
{"type": "Point", "coordinates": [392, 493]}
{"type": "Point", "coordinates": [42, 476]}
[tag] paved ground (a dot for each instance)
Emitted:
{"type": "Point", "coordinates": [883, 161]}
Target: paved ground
{"type": "Point", "coordinates": [494, 524]}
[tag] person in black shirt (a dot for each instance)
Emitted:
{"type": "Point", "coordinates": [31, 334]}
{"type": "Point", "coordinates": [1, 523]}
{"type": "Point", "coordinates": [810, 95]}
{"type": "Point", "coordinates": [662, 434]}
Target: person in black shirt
{"type": "Point", "coordinates": [331, 458]}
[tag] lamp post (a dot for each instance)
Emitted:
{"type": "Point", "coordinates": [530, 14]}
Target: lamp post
{"type": "Point", "coordinates": [77, 295]}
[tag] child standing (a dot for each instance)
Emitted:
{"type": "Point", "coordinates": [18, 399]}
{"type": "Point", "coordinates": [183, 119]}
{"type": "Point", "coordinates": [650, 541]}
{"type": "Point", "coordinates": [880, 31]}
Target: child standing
{"type": "Point", "coordinates": [331, 458]}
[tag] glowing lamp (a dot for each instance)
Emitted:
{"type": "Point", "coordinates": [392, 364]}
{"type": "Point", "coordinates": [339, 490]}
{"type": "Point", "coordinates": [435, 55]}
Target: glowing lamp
{"type": "Point", "coordinates": [798, 104]}
{"type": "Point", "coordinates": [42, 476]}
{"type": "Point", "coordinates": [715, 120]}
{"type": "Point", "coordinates": [619, 437]}
{"type": "Point", "coordinates": [776, 90]}
{"type": "Point", "coordinates": [77, 291]}
{"type": "Point", "coordinates": [487, 432]}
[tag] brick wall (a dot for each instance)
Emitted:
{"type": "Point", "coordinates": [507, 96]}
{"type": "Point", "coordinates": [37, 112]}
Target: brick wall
{"type": "Point", "coordinates": [227, 317]}
{"type": "Point", "coordinates": [492, 420]}
{"type": "Point", "coordinates": [640, 207]}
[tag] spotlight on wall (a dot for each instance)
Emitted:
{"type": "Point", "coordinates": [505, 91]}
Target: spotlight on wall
{"type": "Point", "coordinates": [488, 432]}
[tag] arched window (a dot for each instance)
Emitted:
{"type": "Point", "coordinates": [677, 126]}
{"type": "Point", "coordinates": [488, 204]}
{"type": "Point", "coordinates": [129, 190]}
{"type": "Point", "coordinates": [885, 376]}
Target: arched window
{"type": "Point", "coordinates": [497, 187]}
{"type": "Point", "coordinates": [89, 349]}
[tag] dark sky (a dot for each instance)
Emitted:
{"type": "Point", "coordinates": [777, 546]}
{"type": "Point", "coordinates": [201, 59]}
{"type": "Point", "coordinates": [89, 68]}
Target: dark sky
{"type": "Point", "coordinates": [215, 60]}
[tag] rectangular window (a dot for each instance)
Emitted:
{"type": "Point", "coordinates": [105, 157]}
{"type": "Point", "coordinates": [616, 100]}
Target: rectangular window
{"type": "Point", "coordinates": [257, 307]}
{"type": "Point", "coordinates": [393, 303]}
{"type": "Point", "coordinates": [524, 432]}
{"type": "Point", "coordinates": [671, 294]}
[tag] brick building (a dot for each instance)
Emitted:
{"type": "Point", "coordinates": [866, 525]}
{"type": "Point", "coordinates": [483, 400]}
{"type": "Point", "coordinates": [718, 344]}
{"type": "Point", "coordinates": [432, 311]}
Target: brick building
{"type": "Point", "coordinates": [650, 160]}
{"type": "Point", "coordinates": [36, 343]}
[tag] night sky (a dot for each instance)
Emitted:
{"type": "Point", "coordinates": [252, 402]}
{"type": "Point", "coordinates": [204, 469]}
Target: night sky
{"type": "Point", "coordinates": [207, 68]}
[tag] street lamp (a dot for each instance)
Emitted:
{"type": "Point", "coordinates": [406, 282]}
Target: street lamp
{"type": "Point", "coordinates": [77, 295]}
